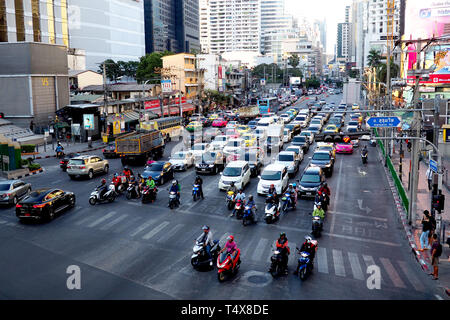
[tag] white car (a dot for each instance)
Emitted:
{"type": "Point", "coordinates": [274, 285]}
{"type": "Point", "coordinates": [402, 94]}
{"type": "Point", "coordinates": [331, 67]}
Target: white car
{"type": "Point", "coordinates": [219, 141]}
{"type": "Point", "coordinates": [285, 117]}
{"type": "Point", "coordinates": [199, 148]}
{"type": "Point", "coordinates": [237, 172]}
{"type": "Point", "coordinates": [298, 151]}
{"type": "Point", "coordinates": [302, 120]}
{"type": "Point", "coordinates": [232, 124]}
{"type": "Point", "coordinates": [309, 134]}
{"type": "Point", "coordinates": [287, 135]}
{"type": "Point", "coordinates": [233, 146]}
{"type": "Point", "coordinates": [275, 174]}
{"type": "Point", "coordinates": [289, 160]}
{"type": "Point", "coordinates": [316, 122]}
{"type": "Point", "coordinates": [182, 160]}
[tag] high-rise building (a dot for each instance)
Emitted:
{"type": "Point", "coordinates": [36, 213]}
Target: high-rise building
{"type": "Point", "coordinates": [343, 42]}
{"type": "Point", "coordinates": [107, 30]}
{"type": "Point", "coordinates": [34, 21]}
{"type": "Point", "coordinates": [187, 24]}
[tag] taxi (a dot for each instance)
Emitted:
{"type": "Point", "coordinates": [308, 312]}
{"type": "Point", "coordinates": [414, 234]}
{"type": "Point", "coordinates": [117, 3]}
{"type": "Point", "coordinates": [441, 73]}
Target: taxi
{"type": "Point", "coordinates": [220, 123]}
{"type": "Point", "coordinates": [355, 106]}
{"type": "Point", "coordinates": [194, 126]}
{"type": "Point", "coordinates": [250, 139]}
{"type": "Point", "coordinates": [213, 117]}
{"type": "Point", "coordinates": [294, 111]}
{"type": "Point", "coordinates": [346, 146]}
{"type": "Point", "coordinates": [330, 129]}
{"type": "Point", "coordinates": [358, 117]}
{"type": "Point", "coordinates": [243, 129]}
{"type": "Point", "coordinates": [326, 146]}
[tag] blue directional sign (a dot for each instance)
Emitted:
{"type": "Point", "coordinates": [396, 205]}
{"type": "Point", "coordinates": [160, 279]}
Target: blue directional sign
{"type": "Point", "coordinates": [383, 122]}
{"type": "Point", "coordinates": [433, 165]}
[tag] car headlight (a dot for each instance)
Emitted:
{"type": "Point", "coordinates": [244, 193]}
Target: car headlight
{"type": "Point", "coordinates": [211, 166]}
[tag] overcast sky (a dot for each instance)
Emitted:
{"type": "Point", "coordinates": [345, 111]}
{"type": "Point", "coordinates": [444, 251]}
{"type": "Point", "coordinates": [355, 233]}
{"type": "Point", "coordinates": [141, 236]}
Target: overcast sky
{"type": "Point", "coordinates": [333, 11]}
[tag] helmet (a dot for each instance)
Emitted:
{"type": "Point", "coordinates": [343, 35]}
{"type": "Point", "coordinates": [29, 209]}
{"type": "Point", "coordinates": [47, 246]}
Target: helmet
{"type": "Point", "coordinates": [205, 227]}
{"type": "Point", "coordinates": [103, 181]}
{"type": "Point", "coordinates": [174, 181]}
{"type": "Point", "coordinates": [250, 198]}
{"type": "Point", "coordinates": [294, 185]}
{"type": "Point", "coordinates": [319, 193]}
{"type": "Point", "coordinates": [291, 185]}
{"type": "Point", "coordinates": [232, 183]}
{"type": "Point", "coordinates": [319, 204]}
{"type": "Point", "coordinates": [197, 177]}
{"type": "Point", "coordinates": [272, 185]}
{"type": "Point", "coordinates": [282, 234]}
{"type": "Point", "coordinates": [308, 239]}
{"type": "Point", "coordinates": [231, 238]}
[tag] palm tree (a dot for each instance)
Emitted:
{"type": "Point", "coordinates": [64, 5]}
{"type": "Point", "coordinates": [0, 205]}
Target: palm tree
{"type": "Point", "coordinates": [382, 71]}
{"type": "Point", "coordinates": [374, 58]}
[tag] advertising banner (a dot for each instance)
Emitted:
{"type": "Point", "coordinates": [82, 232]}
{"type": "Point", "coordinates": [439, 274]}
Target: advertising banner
{"type": "Point", "coordinates": [151, 104]}
{"type": "Point", "coordinates": [116, 127]}
{"type": "Point", "coordinates": [88, 121]}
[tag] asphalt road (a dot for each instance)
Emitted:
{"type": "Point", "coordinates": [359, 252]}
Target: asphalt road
{"type": "Point", "coordinates": [130, 250]}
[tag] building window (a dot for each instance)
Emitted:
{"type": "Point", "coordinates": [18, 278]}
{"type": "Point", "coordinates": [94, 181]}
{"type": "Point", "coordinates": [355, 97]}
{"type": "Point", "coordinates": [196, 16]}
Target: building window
{"type": "Point", "coordinates": [51, 22]}
{"type": "Point", "coordinates": [3, 23]}
{"type": "Point", "coordinates": [20, 24]}
{"type": "Point", "coordinates": [36, 21]}
{"type": "Point", "coordinates": [65, 27]}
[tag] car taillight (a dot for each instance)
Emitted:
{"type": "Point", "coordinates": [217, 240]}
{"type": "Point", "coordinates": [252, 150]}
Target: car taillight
{"type": "Point", "coordinates": [18, 206]}
{"type": "Point", "coordinates": [68, 167]}
{"type": "Point", "coordinates": [61, 162]}
{"type": "Point", "coordinates": [39, 205]}
{"type": "Point", "coordinates": [83, 167]}
{"type": "Point", "coordinates": [103, 150]}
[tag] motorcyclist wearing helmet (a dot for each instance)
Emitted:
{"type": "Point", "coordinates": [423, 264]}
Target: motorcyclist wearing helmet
{"type": "Point", "coordinates": [230, 246]}
{"type": "Point", "coordinates": [309, 246]}
{"type": "Point", "coordinates": [320, 198]}
{"type": "Point", "coordinates": [199, 181]}
{"type": "Point", "coordinates": [175, 187]}
{"type": "Point", "coordinates": [116, 181]}
{"type": "Point", "coordinates": [150, 183]}
{"type": "Point", "coordinates": [292, 192]}
{"type": "Point", "coordinates": [364, 150]}
{"type": "Point", "coordinates": [251, 203]}
{"type": "Point", "coordinates": [318, 212]}
{"type": "Point", "coordinates": [102, 189]}
{"type": "Point", "coordinates": [207, 240]}
{"type": "Point", "coordinates": [240, 196]}
{"type": "Point", "coordinates": [134, 182]}
{"type": "Point", "coordinates": [282, 246]}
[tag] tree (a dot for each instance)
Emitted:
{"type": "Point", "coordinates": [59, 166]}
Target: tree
{"type": "Point", "coordinates": [374, 58]}
{"type": "Point", "coordinates": [112, 69]}
{"type": "Point", "coordinates": [312, 83]}
{"type": "Point", "coordinates": [128, 68]}
{"type": "Point", "coordinates": [294, 61]}
{"type": "Point", "coordinates": [382, 71]}
{"type": "Point", "coordinates": [148, 64]}
{"type": "Point", "coordinates": [258, 72]}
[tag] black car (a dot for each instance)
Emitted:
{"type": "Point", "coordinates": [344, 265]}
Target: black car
{"type": "Point", "coordinates": [254, 162]}
{"type": "Point", "coordinates": [295, 128]}
{"type": "Point", "coordinates": [63, 163]}
{"type": "Point", "coordinates": [44, 204]}
{"type": "Point", "coordinates": [160, 171]}
{"type": "Point", "coordinates": [323, 160]}
{"type": "Point", "coordinates": [210, 162]}
{"type": "Point", "coordinates": [310, 182]}
{"type": "Point", "coordinates": [301, 141]}
{"type": "Point", "coordinates": [110, 151]}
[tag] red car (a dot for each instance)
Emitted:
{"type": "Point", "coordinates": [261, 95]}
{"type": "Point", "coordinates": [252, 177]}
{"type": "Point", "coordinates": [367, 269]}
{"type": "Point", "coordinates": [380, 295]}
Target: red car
{"type": "Point", "coordinates": [220, 123]}
{"type": "Point", "coordinates": [346, 146]}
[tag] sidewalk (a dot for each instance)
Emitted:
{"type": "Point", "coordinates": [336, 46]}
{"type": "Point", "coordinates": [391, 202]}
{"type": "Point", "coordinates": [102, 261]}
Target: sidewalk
{"type": "Point", "coordinates": [68, 148]}
{"type": "Point", "coordinates": [424, 203]}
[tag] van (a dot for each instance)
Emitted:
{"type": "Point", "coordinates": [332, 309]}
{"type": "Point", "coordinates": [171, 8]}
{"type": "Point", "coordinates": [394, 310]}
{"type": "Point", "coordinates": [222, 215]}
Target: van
{"type": "Point", "coordinates": [265, 122]}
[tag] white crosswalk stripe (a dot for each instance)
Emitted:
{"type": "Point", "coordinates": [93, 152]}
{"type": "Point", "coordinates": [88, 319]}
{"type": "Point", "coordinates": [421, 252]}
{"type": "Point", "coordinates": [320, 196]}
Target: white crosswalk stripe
{"type": "Point", "coordinates": [155, 230]}
{"type": "Point", "coordinates": [417, 284]}
{"type": "Point", "coordinates": [114, 222]}
{"type": "Point", "coordinates": [356, 267]}
{"type": "Point", "coordinates": [272, 247]}
{"type": "Point", "coordinates": [259, 250]}
{"type": "Point", "coordinates": [322, 261]}
{"type": "Point", "coordinates": [128, 224]}
{"type": "Point", "coordinates": [84, 220]}
{"type": "Point", "coordinates": [101, 219]}
{"type": "Point", "coordinates": [392, 273]}
{"type": "Point", "coordinates": [338, 261]}
{"type": "Point", "coordinates": [170, 233]}
{"type": "Point", "coordinates": [142, 227]}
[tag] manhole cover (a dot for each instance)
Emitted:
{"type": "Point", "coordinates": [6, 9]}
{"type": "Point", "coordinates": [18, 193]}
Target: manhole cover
{"type": "Point", "coordinates": [257, 279]}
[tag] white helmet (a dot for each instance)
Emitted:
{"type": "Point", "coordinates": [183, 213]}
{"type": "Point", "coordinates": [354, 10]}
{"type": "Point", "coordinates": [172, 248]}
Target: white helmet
{"type": "Point", "coordinates": [174, 181]}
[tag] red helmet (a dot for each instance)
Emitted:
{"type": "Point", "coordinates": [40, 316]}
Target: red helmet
{"type": "Point", "coordinates": [272, 185]}
{"type": "Point", "coordinates": [319, 192]}
{"type": "Point", "coordinates": [230, 238]}
{"type": "Point", "coordinates": [103, 181]}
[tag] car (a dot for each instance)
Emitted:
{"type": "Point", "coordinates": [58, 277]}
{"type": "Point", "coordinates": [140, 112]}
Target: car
{"type": "Point", "coordinates": [316, 122]}
{"type": "Point", "coordinates": [326, 146]}
{"type": "Point", "coordinates": [355, 106]}
{"type": "Point", "coordinates": [314, 128]}
{"type": "Point", "coordinates": [310, 182]}
{"type": "Point", "coordinates": [11, 191]}
{"type": "Point", "coordinates": [213, 117]}
{"type": "Point", "coordinates": [302, 142]}
{"type": "Point", "coordinates": [194, 126]}
{"type": "Point", "coordinates": [260, 134]}
{"type": "Point", "coordinates": [294, 127]}
{"type": "Point", "coordinates": [250, 139]}
{"type": "Point", "coordinates": [351, 128]}
{"type": "Point", "coordinates": [236, 171]}
{"type": "Point", "coordinates": [308, 134]}
{"type": "Point", "coordinates": [252, 124]}
{"type": "Point", "coordinates": [289, 160]}
{"type": "Point", "coordinates": [323, 159]}
{"type": "Point", "coordinates": [210, 162]}
{"type": "Point", "coordinates": [108, 152]}
{"type": "Point", "coordinates": [232, 133]}
{"type": "Point", "coordinates": [336, 121]}
{"type": "Point", "coordinates": [273, 143]}
{"type": "Point", "coordinates": [298, 152]}
{"type": "Point", "coordinates": [87, 166]}
{"type": "Point", "coordinates": [199, 148]}
{"type": "Point", "coordinates": [358, 117]}
{"type": "Point", "coordinates": [302, 119]}
{"type": "Point", "coordinates": [233, 146]}
{"type": "Point", "coordinates": [287, 135]}
{"type": "Point", "coordinates": [219, 123]}
{"type": "Point", "coordinates": [242, 129]}
{"type": "Point", "coordinates": [232, 124]}
{"type": "Point", "coordinates": [220, 140]}
{"type": "Point", "coordinates": [275, 174]}
{"type": "Point", "coordinates": [255, 161]}
{"type": "Point", "coordinates": [285, 117]}
{"type": "Point", "coordinates": [64, 161]}
{"type": "Point", "coordinates": [44, 204]}
{"type": "Point", "coordinates": [210, 134]}
{"type": "Point", "coordinates": [330, 129]}
{"type": "Point", "coordinates": [182, 160]}
{"type": "Point", "coordinates": [346, 146]}
{"type": "Point", "coordinates": [160, 171]}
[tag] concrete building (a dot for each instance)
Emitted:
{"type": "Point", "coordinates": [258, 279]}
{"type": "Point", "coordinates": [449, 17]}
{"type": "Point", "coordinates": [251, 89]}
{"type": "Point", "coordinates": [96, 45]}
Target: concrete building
{"type": "Point", "coordinates": [343, 41]}
{"type": "Point", "coordinates": [310, 56]}
{"type": "Point", "coordinates": [79, 79]}
{"type": "Point", "coordinates": [210, 63]}
{"type": "Point", "coordinates": [248, 59]}
{"type": "Point", "coordinates": [33, 82]}
{"type": "Point", "coordinates": [107, 30]}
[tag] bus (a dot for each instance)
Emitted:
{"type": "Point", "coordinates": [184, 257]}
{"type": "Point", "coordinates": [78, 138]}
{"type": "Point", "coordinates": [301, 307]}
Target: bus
{"type": "Point", "coordinates": [170, 127]}
{"type": "Point", "coordinates": [267, 105]}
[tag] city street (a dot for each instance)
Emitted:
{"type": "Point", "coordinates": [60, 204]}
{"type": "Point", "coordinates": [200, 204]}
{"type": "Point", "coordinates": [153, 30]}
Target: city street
{"type": "Point", "coordinates": [130, 250]}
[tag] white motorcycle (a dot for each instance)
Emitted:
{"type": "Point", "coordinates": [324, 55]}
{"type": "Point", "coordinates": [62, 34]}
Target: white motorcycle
{"type": "Point", "coordinates": [109, 195]}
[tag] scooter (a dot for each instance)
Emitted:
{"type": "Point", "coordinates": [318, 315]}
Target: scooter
{"type": "Point", "coordinates": [200, 258]}
{"type": "Point", "coordinates": [239, 209]}
{"type": "Point", "coordinates": [149, 195]}
{"type": "Point", "coordinates": [276, 267]}
{"type": "Point", "coordinates": [230, 200]}
{"type": "Point", "coordinates": [316, 226]}
{"type": "Point", "coordinates": [249, 216]}
{"type": "Point", "coordinates": [272, 211]}
{"type": "Point", "coordinates": [109, 196]}
{"type": "Point", "coordinates": [364, 157]}
{"type": "Point", "coordinates": [131, 192]}
{"type": "Point", "coordinates": [287, 203]}
{"type": "Point", "coordinates": [173, 202]}
{"type": "Point", "coordinates": [305, 266]}
{"type": "Point", "coordinates": [195, 192]}
{"type": "Point", "coordinates": [228, 264]}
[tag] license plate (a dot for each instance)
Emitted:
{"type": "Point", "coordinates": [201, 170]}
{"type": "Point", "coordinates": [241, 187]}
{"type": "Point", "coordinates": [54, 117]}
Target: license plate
{"type": "Point", "coordinates": [203, 169]}
{"type": "Point", "coordinates": [309, 193]}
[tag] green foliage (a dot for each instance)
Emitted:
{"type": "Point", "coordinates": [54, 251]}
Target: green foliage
{"type": "Point", "coordinates": [312, 83]}
{"type": "Point", "coordinates": [216, 97]}
{"type": "Point", "coordinates": [34, 166]}
{"type": "Point", "coordinates": [112, 69]}
{"type": "Point", "coordinates": [353, 73]}
{"type": "Point", "coordinates": [27, 148]}
{"type": "Point", "coordinates": [294, 60]}
{"type": "Point", "coordinates": [148, 64]}
{"type": "Point", "coordinates": [258, 72]}
{"type": "Point", "coordinates": [382, 71]}
{"type": "Point", "coordinates": [374, 58]}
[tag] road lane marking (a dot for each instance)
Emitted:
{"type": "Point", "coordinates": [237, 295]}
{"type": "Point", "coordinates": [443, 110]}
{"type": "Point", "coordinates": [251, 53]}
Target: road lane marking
{"type": "Point", "coordinates": [259, 250]}
{"type": "Point", "coordinates": [395, 277]}
{"type": "Point", "coordinates": [101, 219]}
{"type": "Point", "coordinates": [127, 224]}
{"type": "Point", "coordinates": [155, 230]}
{"type": "Point", "coordinates": [438, 297]}
{"type": "Point", "coordinates": [114, 222]}
{"type": "Point", "coordinates": [356, 267]}
{"type": "Point", "coordinates": [338, 262]}
{"type": "Point", "coordinates": [411, 277]}
{"type": "Point", "coordinates": [357, 215]}
{"type": "Point", "coordinates": [86, 219]}
{"type": "Point", "coordinates": [142, 227]}
{"type": "Point", "coordinates": [170, 233]}
{"type": "Point", "coordinates": [322, 261]}
{"type": "Point", "coordinates": [336, 200]}
{"type": "Point", "coordinates": [272, 248]}
{"type": "Point", "coordinates": [56, 181]}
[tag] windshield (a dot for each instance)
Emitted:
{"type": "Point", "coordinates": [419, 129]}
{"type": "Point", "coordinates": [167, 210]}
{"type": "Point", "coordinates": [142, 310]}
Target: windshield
{"type": "Point", "coordinates": [321, 156]}
{"type": "Point", "coordinates": [300, 139]}
{"type": "Point", "coordinates": [305, 133]}
{"type": "Point", "coordinates": [179, 155]}
{"type": "Point", "coordinates": [209, 157]}
{"type": "Point", "coordinates": [353, 123]}
{"type": "Point", "coordinates": [76, 161]}
{"type": "Point", "coordinates": [285, 157]}
{"type": "Point", "coordinates": [271, 175]}
{"type": "Point", "coordinates": [300, 118]}
{"type": "Point", "coordinates": [155, 167]}
{"type": "Point", "coordinates": [272, 139]}
{"type": "Point", "coordinates": [4, 186]}
{"type": "Point", "coordinates": [199, 147]}
{"type": "Point", "coordinates": [233, 144]}
{"type": "Point", "coordinates": [310, 178]}
{"type": "Point", "coordinates": [220, 138]}
{"type": "Point", "coordinates": [232, 172]}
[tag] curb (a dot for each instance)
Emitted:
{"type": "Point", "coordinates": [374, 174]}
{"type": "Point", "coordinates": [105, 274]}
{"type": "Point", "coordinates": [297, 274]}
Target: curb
{"type": "Point", "coordinates": [31, 173]}
{"type": "Point", "coordinates": [54, 156]}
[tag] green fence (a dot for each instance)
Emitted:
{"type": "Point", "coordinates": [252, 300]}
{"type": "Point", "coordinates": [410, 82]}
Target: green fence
{"type": "Point", "coordinates": [398, 183]}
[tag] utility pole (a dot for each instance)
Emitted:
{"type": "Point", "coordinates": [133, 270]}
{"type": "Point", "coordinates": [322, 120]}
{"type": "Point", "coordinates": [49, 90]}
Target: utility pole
{"type": "Point", "coordinates": [437, 177]}
{"type": "Point", "coordinates": [105, 95]}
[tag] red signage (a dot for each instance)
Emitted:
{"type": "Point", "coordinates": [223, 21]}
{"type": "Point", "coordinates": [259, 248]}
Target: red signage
{"type": "Point", "coordinates": [434, 79]}
{"type": "Point", "coordinates": [151, 104]}
{"type": "Point", "coordinates": [177, 100]}
{"type": "Point", "coordinates": [219, 72]}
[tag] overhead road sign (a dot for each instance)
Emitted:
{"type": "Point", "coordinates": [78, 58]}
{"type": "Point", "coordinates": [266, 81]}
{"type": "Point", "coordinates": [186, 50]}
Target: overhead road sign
{"type": "Point", "coordinates": [383, 122]}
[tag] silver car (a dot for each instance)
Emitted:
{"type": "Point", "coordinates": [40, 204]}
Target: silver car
{"type": "Point", "coordinates": [11, 191]}
{"type": "Point", "coordinates": [87, 166]}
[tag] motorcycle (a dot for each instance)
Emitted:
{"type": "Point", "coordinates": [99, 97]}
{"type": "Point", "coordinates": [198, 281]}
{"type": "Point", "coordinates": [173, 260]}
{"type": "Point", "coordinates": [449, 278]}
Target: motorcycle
{"type": "Point", "coordinates": [287, 202]}
{"type": "Point", "coordinates": [195, 192]}
{"type": "Point", "coordinates": [305, 266]}
{"type": "Point", "coordinates": [272, 211]}
{"type": "Point", "coordinates": [121, 185]}
{"type": "Point", "coordinates": [249, 216]}
{"type": "Point", "coordinates": [109, 196]}
{"type": "Point", "coordinates": [132, 193]}
{"type": "Point", "coordinates": [239, 209]}
{"type": "Point", "coordinates": [228, 264]}
{"type": "Point", "coordinates": [230, 200]}
{"type": "Point", "coordinates": [173, 202]}
{"type": "Point", "coordinates": [364, 157]}
{"type": "Point", "coordinates": [276, 266]}
{"type": "Point", "coordinates": [149, 195]}
{"type": "Point", "coordinates": [316, 226]}
{"type": "Point", "coordinates": [200, 257]}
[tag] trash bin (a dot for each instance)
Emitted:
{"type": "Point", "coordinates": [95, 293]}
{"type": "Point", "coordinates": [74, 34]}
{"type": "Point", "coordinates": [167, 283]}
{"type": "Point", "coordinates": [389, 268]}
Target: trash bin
{"type": "Point", "coordinates": [105, 137]}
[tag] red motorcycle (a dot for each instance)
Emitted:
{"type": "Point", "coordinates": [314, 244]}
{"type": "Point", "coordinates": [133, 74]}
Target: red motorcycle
{"type": "Point", "coordinates": [239, 209]}
{"type": "Point", "coordinates": [120, 184]}
{"type": "Point", "coordinates": [228, 264]}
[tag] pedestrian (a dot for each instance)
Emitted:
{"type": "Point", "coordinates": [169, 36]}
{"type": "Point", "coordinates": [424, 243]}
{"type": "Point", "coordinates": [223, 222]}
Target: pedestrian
{"type": "Point", "coordinates": [430, 178]}
{"type": "Point", "coordinates": [426, 227]}
{"type": "Point", "coordinates": [32, 125]}
{"type": "Point", "coordinates": [436, 251]}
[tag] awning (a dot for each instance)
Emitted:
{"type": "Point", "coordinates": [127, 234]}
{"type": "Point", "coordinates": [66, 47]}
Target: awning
{"type": "Point", "coordinates": [130, 116]}
{"type": "Point", "coordinates": [174, 109]}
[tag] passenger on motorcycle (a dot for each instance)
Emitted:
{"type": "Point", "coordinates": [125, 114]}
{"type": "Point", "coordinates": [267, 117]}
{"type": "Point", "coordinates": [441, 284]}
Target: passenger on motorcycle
{"type": "Point", "coordinates": [239, 196]}
{"type": "Point", "coordinates": [207, 240]}
{"type": "Point", "coordinates": [102, 189]}
{"type": "Point", "coordinates": [282, 246]}
{"type": "Point", "coordinates": [198, 181]}
{"type": "Point", "coordinates": [273, 192]}
{"type": "Point", "coordinates": [320, 198]}
{"type": "Point", "coordinates": [310, 247]}
{"type": "Point", "coordinates": [116, 181]}
{"type": "Point", "coordinates": [325, 190]}
{"type": "Point", "coordinates": [135, 183]}
{"type": "Point", "coordinates": [127, 173]}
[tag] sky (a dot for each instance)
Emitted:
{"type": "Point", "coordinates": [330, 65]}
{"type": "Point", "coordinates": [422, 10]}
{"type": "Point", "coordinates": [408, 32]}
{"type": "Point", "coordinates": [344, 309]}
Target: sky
{"type": "Point", "coordinates": [333, 11]}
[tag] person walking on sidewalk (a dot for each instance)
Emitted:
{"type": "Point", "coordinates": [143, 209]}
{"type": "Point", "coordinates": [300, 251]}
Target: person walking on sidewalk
{"type": "Point", "coordinates": [429, 178]}
{"type": "Point", "coordinates": [426, 227]}
{"type": "Point", "coordinates": [436, 251]}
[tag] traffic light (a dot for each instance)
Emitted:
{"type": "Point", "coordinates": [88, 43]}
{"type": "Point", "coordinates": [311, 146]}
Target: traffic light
{"type": "Point", "coordinates": [438, 202]}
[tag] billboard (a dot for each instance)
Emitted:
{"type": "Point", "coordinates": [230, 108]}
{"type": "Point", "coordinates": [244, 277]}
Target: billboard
{"type": "Point", "coordinates": [166, 86]}
{"type": "Point", "coordinates": [294, 80]}
{"type": "Point", "coordinates": [88, 121]}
